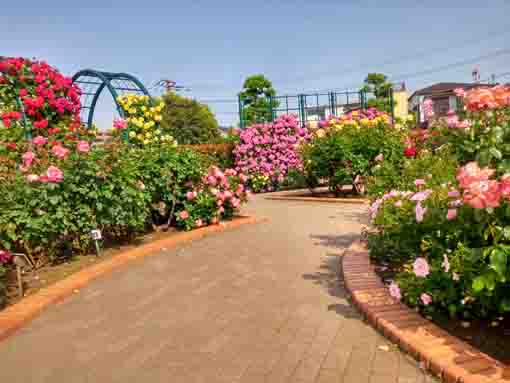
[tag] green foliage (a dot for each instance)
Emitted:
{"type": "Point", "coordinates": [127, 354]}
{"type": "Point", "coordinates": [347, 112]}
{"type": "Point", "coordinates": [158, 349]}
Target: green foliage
{"type": "Point", "coordinates": [255, 96]}
{"type": "Point", "coordinates": [378, 85]}
{"type": "Point", "coordinates": [99, 191]}
{"type": "Point", "coordinates": [437, 168]}
{"type": "Point", "coordinates": [168, 173]}
{"type": "Point", "coordinates": [189, 121]}
{"type": "Point", "coordinates": [340, 156]}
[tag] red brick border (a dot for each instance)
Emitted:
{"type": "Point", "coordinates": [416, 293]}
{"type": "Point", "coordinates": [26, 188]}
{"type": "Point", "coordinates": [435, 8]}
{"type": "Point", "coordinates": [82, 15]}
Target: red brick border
{"type": "Point", "coordinates": [21, 313]}
{"type": "Point", "coordinates": [445, 355]}
{"type": "Point", "coordinates": [292, 196]}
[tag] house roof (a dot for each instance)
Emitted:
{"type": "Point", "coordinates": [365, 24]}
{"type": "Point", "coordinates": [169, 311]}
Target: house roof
{"type": "Point", "coordinates": [445, 87]}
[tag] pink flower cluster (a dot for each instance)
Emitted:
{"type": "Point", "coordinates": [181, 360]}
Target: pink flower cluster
{"type": "Point", "coordinates": [374, 207]}
{"type": "Point", "coordinates": [270, 149]}
{"type": "Point", "coordinates": [480, 191]}
{"type": "Point", "coordinates": [216, 183]}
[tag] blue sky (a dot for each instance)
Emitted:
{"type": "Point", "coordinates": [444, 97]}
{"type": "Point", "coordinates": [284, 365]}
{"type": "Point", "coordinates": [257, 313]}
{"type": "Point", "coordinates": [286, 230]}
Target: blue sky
{"type": "Point", "coordinates": [211, 46]}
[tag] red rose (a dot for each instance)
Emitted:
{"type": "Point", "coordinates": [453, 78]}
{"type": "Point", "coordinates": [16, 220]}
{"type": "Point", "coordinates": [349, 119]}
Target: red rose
{"type": "Point", "coordinates": [410, 152]}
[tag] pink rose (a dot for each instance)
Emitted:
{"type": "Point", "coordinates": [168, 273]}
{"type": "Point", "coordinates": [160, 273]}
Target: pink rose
{"type": "Point", "coordinates": [32, 178]}
{"type": "Point", "coordinates": [426, 299]}
{"type": "Point", "coordinates": [28, 158]}
{"type": "Point", "coordinates": [421, 267]}
{"type": "Point", "coordinates": [120, 123]}
{"type": "Point", "coordinates": [83, 146]}
{"type": "Point", "coordinates": [191, 195]}
{"type": "Point", "coordinates": [60, 151]}
{"type": "Point", "coordinates": [420, 212]}
{"type": "Point", "coordinates": [39, 140]}
{"type": "Point", "coordinates": [198, 223]}
{"type": "Point", "coordinates": [183, 215]}
{"type": "Point", "coordinates": [54, 174]}
{"type": "Point", "coordinates": [419, 182]}
{"type": "Point", "coordinates": [452, 214]}
{"type": "Point", "coordinates": [395, 291]}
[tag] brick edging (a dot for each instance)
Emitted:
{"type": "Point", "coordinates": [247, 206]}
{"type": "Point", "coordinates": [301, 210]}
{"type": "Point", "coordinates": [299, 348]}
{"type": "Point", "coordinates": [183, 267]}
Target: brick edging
{"type": "Point", "coordinates": [16, 316]}
{"type": "Point", "coordinates": [441, 353]}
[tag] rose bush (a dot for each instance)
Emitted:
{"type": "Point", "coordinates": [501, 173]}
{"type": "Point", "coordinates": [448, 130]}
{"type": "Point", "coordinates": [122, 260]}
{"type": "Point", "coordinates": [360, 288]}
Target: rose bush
{"type": "Point", "coordinates": [142, 125]}
{"type": "Point", "coordinates": [345, 150]}
{"type": "Point", "coordinates": [60, 184]}
{"type": "Point", "coordinates": [449, 239]}
{"type": "Point", "coordinates": [267, 152]}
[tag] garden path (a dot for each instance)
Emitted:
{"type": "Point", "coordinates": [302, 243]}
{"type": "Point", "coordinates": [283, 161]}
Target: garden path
{"type": "Point", "coordinates": [262, 303]}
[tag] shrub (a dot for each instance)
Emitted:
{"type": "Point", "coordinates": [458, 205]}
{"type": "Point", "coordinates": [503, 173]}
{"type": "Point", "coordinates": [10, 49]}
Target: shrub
{"type": "Point", "coordinates": [35, 97]}
{"type": "Point", "coordinates": [142, 125]}
{"type": "Point", "coordinates": [450, 243]}
{"type": "Point", "coordinates": [218, 196]}
{"type": "Point", "coordinates": [437, 168]}
{"type": "Point", "coordinates": [189, 121]}
{"type": "Point", "coordinates": [344, 150]}
{"type": "Point", "coordinates": [267, 152]}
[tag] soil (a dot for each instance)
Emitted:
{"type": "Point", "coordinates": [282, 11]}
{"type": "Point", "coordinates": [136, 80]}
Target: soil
{"type": "Point", "coordinates": [490, 337]}
{"type": "Point", "coordinates": [34, 280]}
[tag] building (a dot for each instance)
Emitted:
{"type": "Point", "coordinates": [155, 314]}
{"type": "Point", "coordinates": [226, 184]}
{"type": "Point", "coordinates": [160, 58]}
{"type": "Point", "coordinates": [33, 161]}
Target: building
{"type": "Point", "coordinates": [443, 96]}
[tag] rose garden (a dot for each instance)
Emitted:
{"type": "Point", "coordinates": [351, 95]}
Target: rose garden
{"type": "Point", "coordinates": [437, 199]}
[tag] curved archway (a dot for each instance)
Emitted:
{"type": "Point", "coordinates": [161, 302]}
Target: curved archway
{"type": "Point", "coordinates": [92, 83]}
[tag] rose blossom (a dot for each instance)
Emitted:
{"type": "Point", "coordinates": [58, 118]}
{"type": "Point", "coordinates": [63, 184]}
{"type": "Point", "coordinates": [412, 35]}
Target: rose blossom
{"type": "Point", "coordinates": [451, 215]}
{"type": "Point", "coordinates": [39, 140]}
{"type": "Point", "coordinates": [426, 299]}
{"type": "Point", "coordinates": [120, 123]}
{"type": "Point", "coordinates": [395, 291]}
{"type": "Point", "coordinates": [198, 223]}
{"type": "Point", "coordinates": [419, 182]}
{"type": "Point", "coordinates": [54, 174]}
{"type": "Point", "coordinates": [184, 214]}
{"type": "Point", "coordinates": [191, 195]}
{"type": "Point", "coordinates": [83, 146]}
{"type": "Point", "coordinates": [60, 152]}
{"type": "Point", "coordinates": [379, 158]}
{"type": "Point", "coordinates": [421, 267]}
{"type": "Point", "coordinates": [32, 178]}
{"type": "Point", "coordinates": [5, 256]}
{"type": "Point", "coordinates": [420, 212]}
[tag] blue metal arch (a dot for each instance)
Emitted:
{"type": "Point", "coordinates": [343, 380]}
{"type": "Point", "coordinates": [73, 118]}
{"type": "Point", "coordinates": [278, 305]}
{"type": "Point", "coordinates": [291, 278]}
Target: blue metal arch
{"type": "Point", "coordinates": [92, 83]}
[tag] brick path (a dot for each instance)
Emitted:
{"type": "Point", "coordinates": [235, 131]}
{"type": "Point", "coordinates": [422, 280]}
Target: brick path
{"type": "Point", "coordinates": [262, 303]}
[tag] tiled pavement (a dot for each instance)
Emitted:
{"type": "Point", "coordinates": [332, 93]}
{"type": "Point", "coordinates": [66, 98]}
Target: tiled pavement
{"type": "Point", "coordinates": [262, 303]}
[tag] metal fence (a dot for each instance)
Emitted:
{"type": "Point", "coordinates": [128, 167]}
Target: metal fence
{"type": "Point", "coordinates": [313, 107]}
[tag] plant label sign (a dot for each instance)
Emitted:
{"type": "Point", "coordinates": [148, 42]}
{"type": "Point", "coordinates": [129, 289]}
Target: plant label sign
{"type": "Point", "coordinates": [96, 235]}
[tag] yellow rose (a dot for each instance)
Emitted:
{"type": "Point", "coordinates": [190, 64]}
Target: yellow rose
{"type": "Point", "coordinates": [158, 117]}
{"type": "Point", "coordinates": [320, 133]}
{"type": "Point", "coordinates": [144, 108]}
{"type": "Point", "coordinates": [132, 134]}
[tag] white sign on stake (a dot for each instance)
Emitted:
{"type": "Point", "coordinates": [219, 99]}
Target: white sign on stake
{"type": "Point", "coordinates": [96, 235]}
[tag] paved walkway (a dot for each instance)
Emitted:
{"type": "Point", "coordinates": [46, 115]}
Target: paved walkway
{"type": "Point", "coordinates": [262, 303]}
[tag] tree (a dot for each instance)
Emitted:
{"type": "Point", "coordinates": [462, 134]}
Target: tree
{"type": "Point", "coordinates": [189, 121]}
{"type": "Point", "coordinates": [378, 85]}
{"type": "Point", "coordinates": [256, 97]}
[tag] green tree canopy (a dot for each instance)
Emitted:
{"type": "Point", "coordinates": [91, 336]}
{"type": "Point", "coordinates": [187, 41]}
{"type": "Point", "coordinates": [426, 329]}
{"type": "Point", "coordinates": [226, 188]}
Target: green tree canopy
{"type": "Point", "coordinates": [255, 96]}
{"type": "Point", "coordinates": [189, 121]}
{"type": "Point", "coordinates": [378, 85]}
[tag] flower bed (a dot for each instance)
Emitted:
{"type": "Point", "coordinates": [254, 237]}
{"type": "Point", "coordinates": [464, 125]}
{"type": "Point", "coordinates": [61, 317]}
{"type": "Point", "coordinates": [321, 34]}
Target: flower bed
{"type": "Point", "coordinates": [447, 243]}
{"type": "Point", "coordinates": [346, 150]}
{"type": "Point", "coordinates": [268, 153]}
{"type": "Point", "coordinates": [58, 185]}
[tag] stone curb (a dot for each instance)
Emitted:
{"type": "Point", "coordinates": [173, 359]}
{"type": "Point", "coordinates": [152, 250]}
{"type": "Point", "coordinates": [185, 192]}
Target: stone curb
{"type": "Point", "coordinates": [16, 316]}
{"type": "Point", "coordinates": [452, 359]}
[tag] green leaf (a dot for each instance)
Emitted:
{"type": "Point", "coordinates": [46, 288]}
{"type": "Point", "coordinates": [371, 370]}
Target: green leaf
{"type": "Point", "coordinates": [495, 153]}
{"type": "Point", "coordinates": [498, 261]}
{"type": "Point", "coordinates": [479, 284]}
